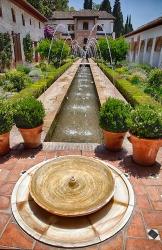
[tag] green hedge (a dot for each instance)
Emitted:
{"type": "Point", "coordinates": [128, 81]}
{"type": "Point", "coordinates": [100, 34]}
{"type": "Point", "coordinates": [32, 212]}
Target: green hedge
{"type": "Point", "coordinates": [131, 92]}
{"type": "Point", "coordinates": [37, 88]}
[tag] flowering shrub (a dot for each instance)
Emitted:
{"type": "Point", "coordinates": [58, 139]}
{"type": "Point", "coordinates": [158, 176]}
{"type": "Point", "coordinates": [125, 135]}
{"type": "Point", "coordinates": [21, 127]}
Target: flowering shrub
{"type": "Point", "coordinates": [48, 31]}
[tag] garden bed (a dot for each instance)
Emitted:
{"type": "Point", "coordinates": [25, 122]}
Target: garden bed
{"type": "Point", "coordinates": [133, 93]}
{"type": "Point", "coordinates": [37, 88]}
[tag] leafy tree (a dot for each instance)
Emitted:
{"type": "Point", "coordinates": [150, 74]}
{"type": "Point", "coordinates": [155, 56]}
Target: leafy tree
{"type": "Point", "coordinates": [105, 5]}
{"type": "Point", "coordinates": [71, 8]}
{"type": "Point", "coordinates": [59, 50]}
{"type": "Point", "coordinates": [35, 3]}
{"type": "Point", "coordinates": [119, 48]}
{"type": "Point", "coordinates": [61, 5]}
{"type": "Point", "coordinates": [43, 6]}
{"type": "Point", "coordinates": [88, 4]}
{"type": "Point", "coordinates": [118, 23]}
{"type": "Point", "coordinates": [46, 6]}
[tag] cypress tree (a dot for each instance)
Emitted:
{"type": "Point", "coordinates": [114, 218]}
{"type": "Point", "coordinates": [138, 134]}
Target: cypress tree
{"type": "Point", "coordinates": [118, 23]}
{"type": "Point", "coordinates": [105, 5]}
{"type": "Point", "coordinates": [130, 26]}
{"type": "Point", "coordinates": [126, 28]}
{"type": "Point", "coordinates": [88, 4]}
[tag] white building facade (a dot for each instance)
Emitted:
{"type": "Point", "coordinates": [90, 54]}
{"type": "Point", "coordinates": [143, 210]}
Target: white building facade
{"type": "Point", "coordinates": [146, 44]}
{"type": "Point", "coordinates": [79, 24]}
{"type": "Point", "coordinates": [19, 18]}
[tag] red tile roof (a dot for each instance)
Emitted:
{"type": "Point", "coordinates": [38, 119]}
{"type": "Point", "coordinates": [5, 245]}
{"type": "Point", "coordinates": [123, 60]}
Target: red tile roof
{"type": "Point", "coordinates": [30, 9]}
{"type": "Point", "coordinates": [146, 26]}
{"type": "Point", "coordinates": [82, 13]}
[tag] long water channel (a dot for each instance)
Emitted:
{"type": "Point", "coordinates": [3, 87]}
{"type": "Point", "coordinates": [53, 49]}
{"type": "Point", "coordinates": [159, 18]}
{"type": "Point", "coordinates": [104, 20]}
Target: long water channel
{"type": "Point", "coordinates": [78, 119]}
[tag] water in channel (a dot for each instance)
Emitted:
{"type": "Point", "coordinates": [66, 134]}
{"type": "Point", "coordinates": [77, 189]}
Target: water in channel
{"type": "Point", "coordinates": [78, 118]}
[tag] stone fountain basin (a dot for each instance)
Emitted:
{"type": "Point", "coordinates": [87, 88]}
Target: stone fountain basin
{"type": "Point", "coordinates": [72, 186]}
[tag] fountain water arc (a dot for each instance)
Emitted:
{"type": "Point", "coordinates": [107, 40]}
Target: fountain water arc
{"type": "Point", "coordinates": [94, 43]}
{"type": "Point", "coordinates": [108, 45]}
{"type": "Point", "coordinates": [94, 40]}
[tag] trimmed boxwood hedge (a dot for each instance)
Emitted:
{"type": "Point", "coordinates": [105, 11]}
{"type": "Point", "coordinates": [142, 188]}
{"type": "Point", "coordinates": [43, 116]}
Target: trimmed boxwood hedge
{"type": "Point", "coordinates": [132, 93]}
{"type": "Point", "coordinates": [37, 88]}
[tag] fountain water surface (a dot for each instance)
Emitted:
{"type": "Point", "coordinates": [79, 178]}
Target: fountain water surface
{"type": "Point", "coordinates": [78, 119]}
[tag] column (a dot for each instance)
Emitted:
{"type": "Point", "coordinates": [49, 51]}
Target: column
{"type": "Point", "coordinates": [137, 57]}
{"type": "Point", "coordinates": [131, 50]}
{"type": "Point", "coordinates": [152, 51]}
{"type": "Point", "coordinates": [144, 52]}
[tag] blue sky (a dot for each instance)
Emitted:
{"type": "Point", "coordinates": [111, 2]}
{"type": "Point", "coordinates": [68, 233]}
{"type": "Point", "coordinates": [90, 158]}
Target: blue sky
{"type": "Point", "coordinates": [142, 11]}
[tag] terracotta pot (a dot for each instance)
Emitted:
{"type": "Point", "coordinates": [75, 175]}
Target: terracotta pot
{"type": "Point", "coordinates": [4, 143]}
{"type": "Point", "coordinates": [113, 141]}
{"type": "Point", "coordinates": [31, 136]}
{"type": "Point", "coordinates": [145, 150]}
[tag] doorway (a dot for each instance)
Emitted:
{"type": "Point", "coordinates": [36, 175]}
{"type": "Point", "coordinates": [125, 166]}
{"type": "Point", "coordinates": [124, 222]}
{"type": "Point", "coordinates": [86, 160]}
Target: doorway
{"type": "Point", "coordinates": [17, 48]}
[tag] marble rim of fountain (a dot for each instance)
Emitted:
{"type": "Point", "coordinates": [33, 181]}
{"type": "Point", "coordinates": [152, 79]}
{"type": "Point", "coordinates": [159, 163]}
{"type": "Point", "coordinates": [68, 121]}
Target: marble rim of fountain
{"type": "Point", "coordinates": [102, 223]}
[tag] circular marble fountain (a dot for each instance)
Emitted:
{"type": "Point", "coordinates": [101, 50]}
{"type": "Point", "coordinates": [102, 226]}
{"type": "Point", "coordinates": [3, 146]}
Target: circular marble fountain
{"type": "Point", "coordinates": [72, 201]}
{"type": "Point", "coordinates": [72, 186]}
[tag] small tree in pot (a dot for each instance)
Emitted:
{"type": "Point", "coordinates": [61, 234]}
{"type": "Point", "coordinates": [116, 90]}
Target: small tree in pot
{"type": "Point", "coordinates": [28, 117]}
{"type": "Point", "coordinates": [6, 123]}
{"type": "Point", "coordinates": [112, 117]}
{"type": "Point", "coordinates": [145, 125]}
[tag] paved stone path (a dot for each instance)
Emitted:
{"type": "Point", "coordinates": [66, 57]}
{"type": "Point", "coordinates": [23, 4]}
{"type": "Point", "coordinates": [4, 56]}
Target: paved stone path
{"type": "Point", "coordinates": [104, 86]}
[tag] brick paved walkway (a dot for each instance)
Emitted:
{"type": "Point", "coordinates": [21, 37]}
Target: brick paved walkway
{"type": "Point", "coordinates": [147, 184]}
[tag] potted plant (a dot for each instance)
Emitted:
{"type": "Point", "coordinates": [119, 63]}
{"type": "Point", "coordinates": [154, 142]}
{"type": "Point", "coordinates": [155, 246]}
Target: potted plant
{"type": "Point", "coordinates": [112, 118]}
{"type": "Point", "coordinates": [28, 117]}
{"type": "Point", "coordinates": [145, 125]}
{"type": "Point", "coordinates": [6, 122]}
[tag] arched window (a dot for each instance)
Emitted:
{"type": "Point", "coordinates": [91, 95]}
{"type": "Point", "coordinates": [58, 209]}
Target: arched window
{"type": "Point", "coordinates": [0, 8]}
{"type": "Point", "coordinates": [23, 20]}
{"type": "Point", "coordinates": [13, 15]}
{"type": "Point", "coordinates": [85, 26]}
{"type": "Point", "coordinates": [100, 27]}
{"type": "Point", "coordinates": [158, 44]}
{"type": "Point", "coordinates": [142, 46]}
{"type": "Point", "coordinates": [149, 44]}
{"type": "Point", "coordinates": [85, 40]}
